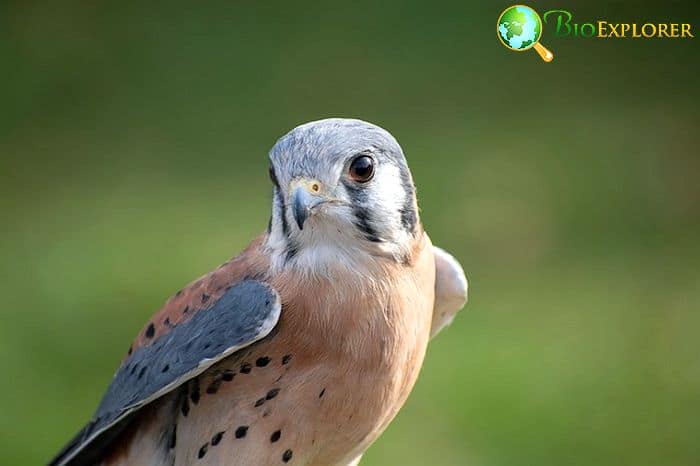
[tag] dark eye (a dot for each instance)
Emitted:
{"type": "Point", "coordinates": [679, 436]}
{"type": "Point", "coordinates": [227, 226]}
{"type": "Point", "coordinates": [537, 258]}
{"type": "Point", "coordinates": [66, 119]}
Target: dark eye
{"type": "Point", "coordinates": [362, 169]}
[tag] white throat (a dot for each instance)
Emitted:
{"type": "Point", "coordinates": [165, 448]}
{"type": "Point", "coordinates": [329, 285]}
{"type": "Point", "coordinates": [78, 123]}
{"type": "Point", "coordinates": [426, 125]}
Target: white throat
{"type": "Point", "coordinates": [325, 250]}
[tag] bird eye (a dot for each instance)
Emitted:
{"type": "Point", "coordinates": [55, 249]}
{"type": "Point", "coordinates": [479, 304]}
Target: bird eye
{"type": "Point", "coordinates": [362, 169]}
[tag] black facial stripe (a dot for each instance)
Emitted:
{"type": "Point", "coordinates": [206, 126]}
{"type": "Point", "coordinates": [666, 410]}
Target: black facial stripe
{"type": "Point", "coordinates": [363, 215]}
{"type": "Point", "coordinates": [280, 202]}
{"type": "Point", "coordinates": [408, 211]}
{"type": "Point", "coordinates": [280, 211]}
{"type": "Point", "coordinates": [273, 178]}
{"type": "Point", "coordinates": [408, 217]}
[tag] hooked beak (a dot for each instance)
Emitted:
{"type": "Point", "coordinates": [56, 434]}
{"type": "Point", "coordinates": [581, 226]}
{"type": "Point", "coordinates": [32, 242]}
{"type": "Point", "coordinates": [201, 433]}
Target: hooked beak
{"type": "Point", "coordinates": [306, 196]}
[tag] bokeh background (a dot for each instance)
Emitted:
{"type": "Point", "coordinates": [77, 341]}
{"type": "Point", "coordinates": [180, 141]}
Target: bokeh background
{"type": "Point", "coordinates": [133, 141]}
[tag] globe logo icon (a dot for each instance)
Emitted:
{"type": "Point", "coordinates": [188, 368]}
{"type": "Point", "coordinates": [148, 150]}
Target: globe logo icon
{"type": "Point", "coordinates": [519, 28]}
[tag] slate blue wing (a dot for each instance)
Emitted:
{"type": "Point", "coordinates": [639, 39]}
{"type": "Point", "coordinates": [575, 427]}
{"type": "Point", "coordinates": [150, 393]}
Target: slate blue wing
{"type": "Point", "coordinates": [244, 314]}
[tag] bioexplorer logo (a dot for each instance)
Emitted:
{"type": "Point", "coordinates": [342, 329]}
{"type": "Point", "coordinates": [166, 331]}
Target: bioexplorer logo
{"type": "Point", "coordinates": [519, 28]}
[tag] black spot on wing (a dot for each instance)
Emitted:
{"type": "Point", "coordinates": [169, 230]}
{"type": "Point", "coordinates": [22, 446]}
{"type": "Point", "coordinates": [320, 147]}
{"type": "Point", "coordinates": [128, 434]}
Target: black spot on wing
{"type": "Point", "coordinates": [234, 320]}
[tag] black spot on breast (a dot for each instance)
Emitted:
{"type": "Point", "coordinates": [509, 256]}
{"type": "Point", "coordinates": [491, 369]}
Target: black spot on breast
{"type": "Point", "coordinates": [272, 393]}
{"type": "Point", "coordinates": [227, 375]}
{"type": "Point", "coordinates": [217, 438]}
{"type": "Point", "coordinates": [202, 451]}
{"type": "Point", "coordinates": [241, 431]}
{"type": "Point", "coordinates": [246, 368]}
{"type": "Point", "coordinates": [150, 330]}
{"type": "Point", "coordinates": [185, 408]}
{"type": "Point", "coordinates": [323, 392]}
{"type": "Point", "coordinates": [286, 358]}
{"type": "Point", "coordinates": [213, 386]}
{"type": "Point", "coordinates": [262, 362]}
{"type": "Point", "coordinates": [205, 298]}
{"type": "Point", "coordinates": [194, 395]}
{"type": "Point", "coordinates": [186, 310]}
{"type": "Point", "coordinates": [173, 438]}
{"type": "Point", "coordinates": [165, 368]}
{"type": "Point", "coordinates": [142, 372]}
{"type": "Point", "coordinates": [287, 455]}
{"type": "Point", "coordinates": [260, 402]}
{"type": "Point", "coordinates": [275, 436]}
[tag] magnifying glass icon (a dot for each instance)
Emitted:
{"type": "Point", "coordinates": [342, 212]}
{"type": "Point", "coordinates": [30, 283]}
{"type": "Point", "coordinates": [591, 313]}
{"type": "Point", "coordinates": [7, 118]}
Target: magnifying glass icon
{"type": "Point", "coordinates": [519, 28]}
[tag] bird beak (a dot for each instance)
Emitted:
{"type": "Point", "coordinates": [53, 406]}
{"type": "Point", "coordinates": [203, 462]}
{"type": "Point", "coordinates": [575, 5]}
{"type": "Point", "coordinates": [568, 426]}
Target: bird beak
{"type": "Point", "coordinates": [306, 196]}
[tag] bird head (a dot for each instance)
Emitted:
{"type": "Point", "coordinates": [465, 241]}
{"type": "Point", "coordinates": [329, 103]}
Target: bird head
{"type": "Point", "coordinates": [341, 187]}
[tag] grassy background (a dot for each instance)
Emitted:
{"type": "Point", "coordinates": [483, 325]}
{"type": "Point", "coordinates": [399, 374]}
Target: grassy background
{"type": "Point", "coordinates": [133, 144]}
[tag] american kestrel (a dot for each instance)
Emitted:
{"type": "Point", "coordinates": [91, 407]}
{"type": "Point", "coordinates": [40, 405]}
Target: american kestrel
{"type": "Point", "coordinates": [304, 347]}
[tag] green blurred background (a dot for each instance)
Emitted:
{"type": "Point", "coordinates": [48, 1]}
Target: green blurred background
{"type": "Point", "coordinates": [133, 143]}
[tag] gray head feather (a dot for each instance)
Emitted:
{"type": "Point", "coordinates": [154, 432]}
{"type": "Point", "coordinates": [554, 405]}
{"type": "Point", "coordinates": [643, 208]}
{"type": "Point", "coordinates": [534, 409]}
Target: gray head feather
{"type": "Point", "coordinates": [381, 212]}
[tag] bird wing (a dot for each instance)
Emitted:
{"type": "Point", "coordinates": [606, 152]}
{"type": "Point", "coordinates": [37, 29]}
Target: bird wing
{"type": "Point", "coordinates": [244, 313]}
{"type": "Point", "coordinates": [450, 290]}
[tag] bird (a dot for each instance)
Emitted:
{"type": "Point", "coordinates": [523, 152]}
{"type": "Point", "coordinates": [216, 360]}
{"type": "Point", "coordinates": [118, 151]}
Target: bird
{"type": "Point", "coordinates": [303, 348]}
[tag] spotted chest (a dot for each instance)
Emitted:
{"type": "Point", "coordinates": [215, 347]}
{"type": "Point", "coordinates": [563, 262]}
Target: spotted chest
{"type": "Point", "coordinates": [322, 387]}
{"type": "Point", "coordinates": [317, 391]}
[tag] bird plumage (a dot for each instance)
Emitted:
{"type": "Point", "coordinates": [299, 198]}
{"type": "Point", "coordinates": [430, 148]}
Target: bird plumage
{"type": "Point", "coordinates": [357, 292]}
